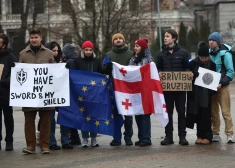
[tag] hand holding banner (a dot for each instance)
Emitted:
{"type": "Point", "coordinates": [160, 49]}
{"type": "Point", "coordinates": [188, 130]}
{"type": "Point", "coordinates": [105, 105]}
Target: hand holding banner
{"type": "Point", "coordinates": [41, 85]}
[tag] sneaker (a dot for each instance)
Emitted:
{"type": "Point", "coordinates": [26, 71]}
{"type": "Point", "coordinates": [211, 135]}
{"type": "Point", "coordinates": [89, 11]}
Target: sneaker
{"type": "Point", "coordinates": [45, 151]}
{"type": "Point", "coordinates": [183, 141]}
{"type": "Point", "coordinates": [67, 146]}
{"type": "Point", "coordinates": [38, 137]}
{"type": "Point", "coordinates": [129, 142]}
{"type": "Point", "coordinates": [115, 143]}
{"type": "Point", "coordinates": [205, 142]}
{"type": "Point", "coordinates": [54, 147]}
{"type": "Point", "coordinates": [75, 141]}
{"type": "Point", "coordinates": [167, 141]}
{"type": "Point", "coordinates": [137, 143]}
{"type": "Point", "coordinates": [216, 138]}
{"type": "Point", "coordinates": [29, 150]}
{"type": "Point", "coordinates": [230, 139]}
{"type": "Point", "coordinates": [94, 142]}
{"type": "Point", "coordinates": [85, 142]}
{"type": "Point", "coordinates": [9, 147]}
{"type": "Point", "coordinates": [198, 141]}
{"type": "Point", "coordinates": [142, 144]}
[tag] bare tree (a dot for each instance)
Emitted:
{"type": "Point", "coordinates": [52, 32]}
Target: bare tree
{"type": "Point", "coordinates": [98, 20]}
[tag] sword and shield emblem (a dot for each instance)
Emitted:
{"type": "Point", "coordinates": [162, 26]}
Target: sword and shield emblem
{"type": "Point", "coordinates": [21, 76]}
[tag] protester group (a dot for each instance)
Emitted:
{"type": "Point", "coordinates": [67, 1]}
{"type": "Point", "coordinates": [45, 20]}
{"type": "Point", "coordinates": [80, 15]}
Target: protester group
{"type": "Point", "coordinates": [200, 107]}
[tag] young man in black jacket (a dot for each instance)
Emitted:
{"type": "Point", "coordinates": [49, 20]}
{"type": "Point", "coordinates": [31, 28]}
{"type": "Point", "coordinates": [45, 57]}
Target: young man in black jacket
{"type": "Point", "coordinates": [6, 59]}
{"type": "Point", "coordinates": [173, 58]}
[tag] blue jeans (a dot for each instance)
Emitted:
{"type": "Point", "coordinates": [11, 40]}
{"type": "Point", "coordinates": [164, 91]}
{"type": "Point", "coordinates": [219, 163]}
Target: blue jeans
{"type": "Point", "coordinates": [9, 123]}
{"type": "Point", "coordinates": [64, 131]}
{"type": "Point", "coordinates": [144, 128]}
{"type": "Point", "coordinates": [85, 134]}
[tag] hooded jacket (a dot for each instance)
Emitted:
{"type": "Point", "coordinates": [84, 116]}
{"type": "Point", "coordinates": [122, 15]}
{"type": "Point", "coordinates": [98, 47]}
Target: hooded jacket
{"type": "Point", "coordinates": [120, 55]}
{"type": "Point", "coordinates": [85, 63]}
{"type": "Point", "coordinates": [226, 67]}
{"type": "Point", "coordinates": [6, 59]}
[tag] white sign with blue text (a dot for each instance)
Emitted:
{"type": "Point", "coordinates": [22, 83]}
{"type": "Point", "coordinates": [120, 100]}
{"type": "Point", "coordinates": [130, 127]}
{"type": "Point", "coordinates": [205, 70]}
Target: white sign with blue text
{"type": "Point", "coordinates": [39, 85]}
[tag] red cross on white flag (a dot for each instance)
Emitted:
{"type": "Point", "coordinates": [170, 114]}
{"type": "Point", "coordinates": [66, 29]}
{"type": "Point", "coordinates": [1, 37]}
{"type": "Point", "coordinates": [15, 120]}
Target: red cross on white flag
{"type": "Point", "coordinates": [138, 91]}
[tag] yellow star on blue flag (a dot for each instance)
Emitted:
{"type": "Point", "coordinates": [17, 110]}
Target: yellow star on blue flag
{"type": "Point", "coordinates": [91, 108]}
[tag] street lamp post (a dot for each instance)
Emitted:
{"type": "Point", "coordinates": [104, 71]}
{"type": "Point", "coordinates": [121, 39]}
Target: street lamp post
{"type": "Point", "coordinates": [159, 24]}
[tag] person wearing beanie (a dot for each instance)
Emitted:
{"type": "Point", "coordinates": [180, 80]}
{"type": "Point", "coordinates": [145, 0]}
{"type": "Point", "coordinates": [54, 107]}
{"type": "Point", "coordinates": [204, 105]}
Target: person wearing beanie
{"type": "Point", "coordinates": [221, 56]}
{"type": "Point", "coordinates": [64, 131]}
{"type": "Point", "coordinates": [142, 56]}
{"type": "Point", "coordinates": [69, 51]}
{"type": "Point", "coordinates": [199, 99]}
{"type": "Point", "coordinates": [116, 36]}
{"type": "Point", "coordinates": [173, 58]}
{"type": "Point", "coordinates": [87, 61]}
{"type": "Point", "coordinates": [121, 54]}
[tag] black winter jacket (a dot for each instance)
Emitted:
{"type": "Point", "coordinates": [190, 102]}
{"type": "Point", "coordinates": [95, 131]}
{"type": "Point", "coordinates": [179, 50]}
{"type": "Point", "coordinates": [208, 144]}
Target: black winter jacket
{"type": "Point", "coordinates": [175, 61]}
{"type": "Point", "coordinates": [6, 58]}
{"type": "Point", "coordinates": [84, 63]}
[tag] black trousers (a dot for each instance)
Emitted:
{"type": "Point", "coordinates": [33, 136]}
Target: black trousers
{"type": "Point", "coordinates": [203, 120]}
{"type": "Point", "coordinates": [128, 132]}
{"type": "Point", "coordinates": [9, 123]}
{"type": "Point", "coordinates": [177, 99]}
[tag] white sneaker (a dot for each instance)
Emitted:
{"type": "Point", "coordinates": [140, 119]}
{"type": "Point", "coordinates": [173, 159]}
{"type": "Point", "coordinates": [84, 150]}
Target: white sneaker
{"type": "Point", "coordinates": [230, 139]}
{"type": "Point", "coordinates": [216, 138]}
{"type": "Point", "coordinates": [94, 142]}
{"type": "Point", "coordinates": [85, 142]}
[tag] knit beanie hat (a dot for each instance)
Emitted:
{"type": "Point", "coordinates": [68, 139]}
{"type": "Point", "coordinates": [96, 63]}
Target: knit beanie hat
{"type": "Point", "coordinates": [215, 36]}
{"type": "Point", "coordinates": [87, 44]}
{"type": "Point", "coordinates": [68, 49]}
{"type": "Point", "coordinates": [143, 43]}
{"type": "Point", "coordinates": [203, 49]}
{"type": "Point", "coordinates": [118, 35]}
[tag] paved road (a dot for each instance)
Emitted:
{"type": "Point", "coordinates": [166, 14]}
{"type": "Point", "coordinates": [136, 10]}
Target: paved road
{"type": "Point", "coordinates": [217, 155]}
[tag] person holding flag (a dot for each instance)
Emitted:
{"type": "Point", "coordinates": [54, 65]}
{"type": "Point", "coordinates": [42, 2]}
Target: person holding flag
{"type": "Point", "coordinates": [120, 54]}
{"type": "Point", "coordinates": [87, 61]}
{"type": "Point", "coordinates": [142, 56]}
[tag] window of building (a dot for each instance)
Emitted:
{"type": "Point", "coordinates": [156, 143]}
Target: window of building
{"type": "Point", "coordinates": [133, 5]}
{"type": "Point", "coordinates": [17, 6]}
{"type": "Point", "coordinates": [89, 5]}
{"type": "Point", "coordinates": [67, 39]}
{"type": "Point", "coordinates": [133, 38]}
{"type": "Point", "coordinates": [86, 33]}
{"type": "Point", "coordinates": [39, 6]}
{"type": "Point", "coordinates": [65, 6]}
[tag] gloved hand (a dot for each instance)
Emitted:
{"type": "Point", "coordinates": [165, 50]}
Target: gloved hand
{"type": "Point", "coordinates": [137, 59]}
{"type": "Point", "coordinates": [109, 66]}
{"type": "Point", "coordinates": [67, 65]}
{"type": "Point", "coordinates": [12, 64]}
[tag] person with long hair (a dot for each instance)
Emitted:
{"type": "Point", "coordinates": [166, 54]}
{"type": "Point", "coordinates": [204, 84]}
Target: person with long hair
{"type": "Point", "coordinates": [142, 56]}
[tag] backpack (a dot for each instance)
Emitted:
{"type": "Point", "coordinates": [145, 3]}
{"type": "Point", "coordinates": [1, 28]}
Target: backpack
{"type": "Point", "coordinates": [233, 58]}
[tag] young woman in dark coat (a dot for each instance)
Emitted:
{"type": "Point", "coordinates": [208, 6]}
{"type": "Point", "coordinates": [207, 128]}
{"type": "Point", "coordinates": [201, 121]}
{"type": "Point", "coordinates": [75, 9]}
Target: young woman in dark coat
{"type": "Point", "coordinates": [199, 99]}
{"type": "Point", "coordinates": [87, 61]}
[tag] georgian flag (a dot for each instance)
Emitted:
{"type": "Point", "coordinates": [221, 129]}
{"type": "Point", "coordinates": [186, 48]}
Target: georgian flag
{"type": "Point", "coordinates": [138, 91]}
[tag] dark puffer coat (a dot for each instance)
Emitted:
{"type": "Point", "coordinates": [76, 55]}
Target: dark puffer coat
{"type": "Point", "coordinates": [175, 61]}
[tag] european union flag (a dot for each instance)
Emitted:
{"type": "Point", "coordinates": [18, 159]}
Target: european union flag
{"type": "Point", "coordinates": [92, 105]}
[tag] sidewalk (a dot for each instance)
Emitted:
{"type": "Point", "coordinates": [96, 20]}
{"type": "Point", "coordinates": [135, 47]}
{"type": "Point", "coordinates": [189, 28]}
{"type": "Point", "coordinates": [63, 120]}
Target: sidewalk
{"type": "Point", "coordinates": [217, 155]}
